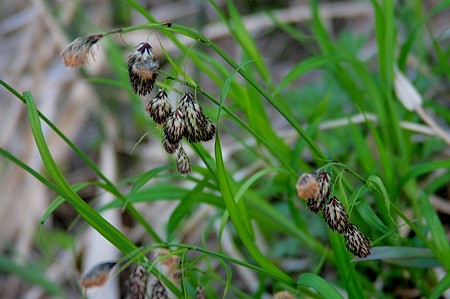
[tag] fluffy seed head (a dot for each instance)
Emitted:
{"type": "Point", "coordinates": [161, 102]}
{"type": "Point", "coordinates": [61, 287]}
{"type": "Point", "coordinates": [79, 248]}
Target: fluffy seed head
{"type": "Point", "coordinates": [159, 291]}
{"type": "Point", "coordinates": [198, 125]}
{"type": "Point", "coordinates": [335, 215]}
{"type": "Point", "coordinates": [159, 108]}
{"type": "Point", "coordinates": [175, 128]}
{"type": "Point", "coordinates": [183, 164]}
{"type": "Point", "coordinates": [97, 275]}
{"type": "Point", "coordinates": [143, 69]}
{"type": "Point", "coordinates": [356, 242]}
{"type": "Point", "coordinates": [137, 283]}
{"type": "Point", "coordinates": [78, 52]}
{"type": "Point", "coordinates": [307, 185]}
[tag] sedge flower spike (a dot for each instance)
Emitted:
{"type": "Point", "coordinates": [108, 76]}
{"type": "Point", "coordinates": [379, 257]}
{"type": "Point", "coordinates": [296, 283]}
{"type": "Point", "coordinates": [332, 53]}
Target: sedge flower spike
{"type": "Point", "coordinates": [198, 125]}
{"type": "Point", "coordinates": [158, 290]}
{"type": "Point", "coordinates": [143, 69]}
{"type": "Point", "coordinates": [80, 51]}
{"type": "Point", "coordinates": [335, 215]}
{"type": "Point", "coordinates": [159, 108]}
{"type": "Point", "coordinates": [175, 128]}
{"type": "Point", "coordinates": [356, 242]}
{"type": "Point", "coordinates": [316, 202]}
{"type": "Point", "coordinates": [97, 275]}
{"type": "Point", "coordinates": [137, 283]}
{"type": "Point", "coordinates": [182, 160]}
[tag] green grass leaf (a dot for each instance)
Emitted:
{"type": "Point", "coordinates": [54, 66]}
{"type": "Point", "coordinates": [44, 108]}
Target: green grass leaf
{"type": "Point", "coordinates": [322, 286]}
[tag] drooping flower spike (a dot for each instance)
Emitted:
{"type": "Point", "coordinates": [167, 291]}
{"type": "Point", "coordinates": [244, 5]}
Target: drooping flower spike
{"type": "Point", "coordinates": [182, 160]}
{"type": "Point", "coordinates": [80, 51]}
{"type": "Point", "coordinates": [335, 215]}
{"type": "Point", "coordinates": [158, 290]}
{"type": "Point", "coordinates": [175, 128]}
{"type": "Point", "coordinates": [316, 202]}
{"type": "Point", "coordinates": [97, 275]}
{"type": "Point", "coordinates": [143, 69]}
{"type": "Point", "coordinates": [198, 125]}
{"type": "Point", "coordinates": [356, 242]}
{"type": "Point", "coordinates": [137, 283]}
{"type": "Point", "coordinates": [159, 108]}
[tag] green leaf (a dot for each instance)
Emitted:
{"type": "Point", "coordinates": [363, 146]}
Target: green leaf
{"type": "Point", "coordinates": [239, 224]}
{"type": "Point", "coordinates": [322, 286]}
{"type": "Point", "coordinates": [404, 256]}
{"type": "Point", "coordinates": [439, 238]}
{"type": "Point", "coordinates": [441, 287]}
{"type": "Point", "coordinates": [374, 183]}
{"type": "Point", "coordinates": [304, 67]}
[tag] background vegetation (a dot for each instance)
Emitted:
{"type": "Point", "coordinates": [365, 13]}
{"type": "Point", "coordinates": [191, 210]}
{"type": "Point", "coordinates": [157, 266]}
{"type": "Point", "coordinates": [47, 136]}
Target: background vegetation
{"type": "Point", "coordinates": [357, 88]}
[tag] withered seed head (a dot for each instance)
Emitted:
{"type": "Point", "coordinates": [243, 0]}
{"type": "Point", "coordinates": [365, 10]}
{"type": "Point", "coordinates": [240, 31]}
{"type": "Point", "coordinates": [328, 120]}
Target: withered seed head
{"type": "Point", "coordinates": [78, 52]}
{"type": "Point", "coordinates": [97, 275]}
{"type": "Point", "coordinates": [137, 283]}
{"type": "Point", "coordinates": [335, 215]}
{"type": "Point", "coordinates": [159, 108]}
{"type": "Point", "coordinates": [307, 185]}
{"type": "Point", "coordinates": [143, 69]}
{"type": "Point", "coordinates": [158, 291]}
{"type": "Point", "coordinates": [356, 242]}
{"type": "Point", "coordinates": [183, 164]}
{"type": "Point", "coordinates": [175, 128]}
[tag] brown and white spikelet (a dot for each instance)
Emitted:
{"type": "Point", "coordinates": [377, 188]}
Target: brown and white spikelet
{"type": "Point", "coordinates": [356, 242]}
{"type": "Point", "coordinates": [175, 128]}
{"type": "Point", "coordinates": [143, 69]}
{"type": "Point", "coordinates": [158, 291]}
{"type": "Point", "coordinates": [200, 292]}
{"type": "Point", "coordinates": [169, 147]}
{"type": "Point", "coordinates": [137, 283]}
{"type": "Point", "coordinates": [335, 215]}
{"type": "Point", "coordinates": [198, 125]}
{"type": "Point", "coordinates": [159, 108]}
{"type": "Point", "coordinates": [316, 202]}
{"type": "Point", "coordinates": [80, 51]}
{"type": "Point", "coordinates": [182, 159]}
